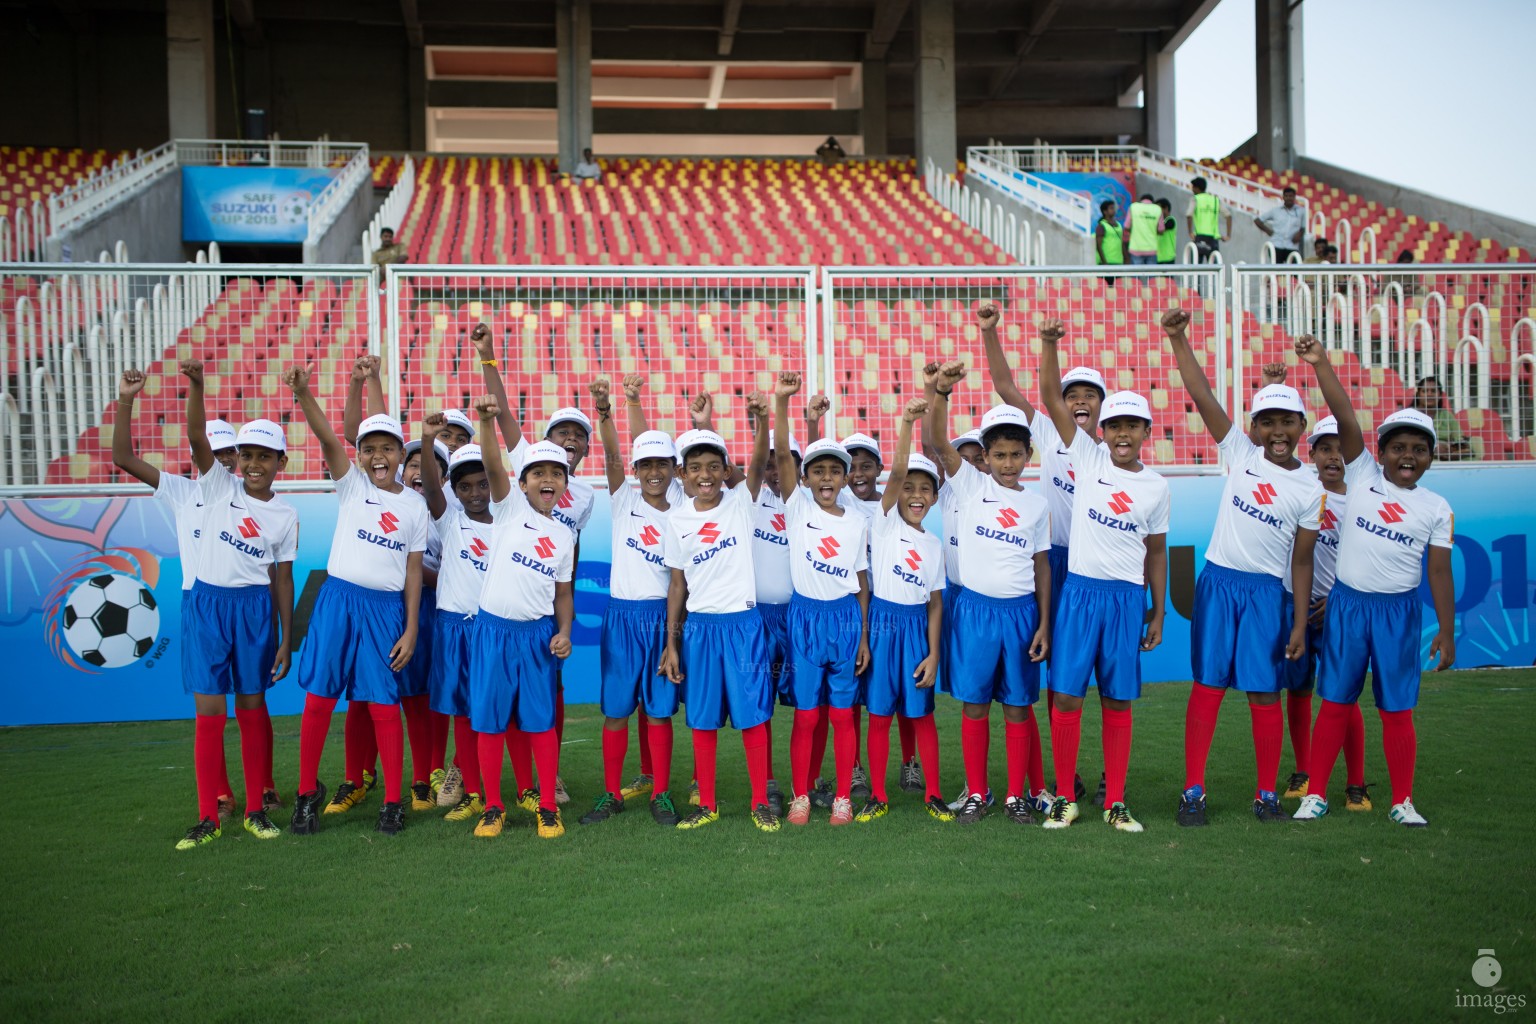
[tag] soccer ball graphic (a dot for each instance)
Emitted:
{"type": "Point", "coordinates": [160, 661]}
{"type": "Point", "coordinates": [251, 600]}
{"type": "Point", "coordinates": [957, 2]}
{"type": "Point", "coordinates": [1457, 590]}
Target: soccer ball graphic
{"type": "Point", "coordinates": [111, 620]}
{"type": "Point", "coordinates": [294, 208]}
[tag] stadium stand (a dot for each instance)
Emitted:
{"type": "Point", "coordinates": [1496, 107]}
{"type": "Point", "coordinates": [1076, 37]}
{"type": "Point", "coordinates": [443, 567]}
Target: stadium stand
{"type": "Point", "coordinates": [28, 174]}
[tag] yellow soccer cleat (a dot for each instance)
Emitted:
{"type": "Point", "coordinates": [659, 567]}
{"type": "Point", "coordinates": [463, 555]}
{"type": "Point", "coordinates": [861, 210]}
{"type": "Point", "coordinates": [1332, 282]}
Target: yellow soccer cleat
{"type": "Point", "coordinates": [347, 797]}
{"type": "Point", "coordinates": [550, 825]}
{"type": "Point", "coordinates": [201, 834]}
{"type": "Point", "coordinates": [491, 823]}
{"type": "Point", "coordinates": [422, 797]}
{"type": "Point", "coordinates": [528, 800]}
{"type": "Point", "coordinates": [1357, 798]}
{"type": "Point", "coordinates": [469, 806]}
{"type": "Point", "coordinates": [640, 785]}
{"type": "Point", "coordinates": [699, 818]}
{"type": "Point", "coordinates": [260, 826]}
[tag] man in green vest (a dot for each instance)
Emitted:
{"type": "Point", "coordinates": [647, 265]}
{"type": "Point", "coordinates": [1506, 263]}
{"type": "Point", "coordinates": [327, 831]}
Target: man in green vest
{"type": "Point", "coordinates": [1146, 223]}
{"type": "Point", "coordinates": [1203, 216]}
{"type": "Point", "coordinates": [1108, 239]}
{"type": "Point", "coordinates": [1168, 238]}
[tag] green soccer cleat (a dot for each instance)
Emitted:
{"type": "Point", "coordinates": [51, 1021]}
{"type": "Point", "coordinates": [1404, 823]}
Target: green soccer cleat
{"type": "Point", "coordinates": [1118, 817]}
{"type": "Point", "coordinates": [260, 826]}
{"type": "Point", "coordinates": [699, 818]}
{"type": "Point", "coordinates": [1063, 813]}
{"type": "Point", "coordinates": [201, 834]}
{"type": "Point", "coordinates": [871, 810]}
{"type": "Point", "coordinates": [764, 818]}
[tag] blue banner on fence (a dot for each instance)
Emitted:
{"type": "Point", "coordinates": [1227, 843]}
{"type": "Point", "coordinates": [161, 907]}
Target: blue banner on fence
{"type": "Point", "coordinates": [249, 204]}
{"type": "Point", "coordinates": [92, 606]}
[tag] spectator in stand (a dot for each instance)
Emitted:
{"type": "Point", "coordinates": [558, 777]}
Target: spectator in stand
{"type": "Point", "coordinates": [1319, 251]}
{"type": "Point", "coordinates": [1144, 225]}
{"type": "Point", "coordinates": [1286, 224]}
{"type": "Point", "coordinates": [1203, 217]}
{"type": "Point", "coordinates": [389, 250]}
{"type": "Point", "coordinates": [587, 168]}
{"type": "Point", "coordinates": [1408, 282]}
{"type": "Point", "coordinates": [1108, 239]}
{"type": "Point", "coordinates": [1450, 443]}
{"type": "Point", "coordinates": [1167, 235]}
{"type": "Point", "coordinates": [830, 152]}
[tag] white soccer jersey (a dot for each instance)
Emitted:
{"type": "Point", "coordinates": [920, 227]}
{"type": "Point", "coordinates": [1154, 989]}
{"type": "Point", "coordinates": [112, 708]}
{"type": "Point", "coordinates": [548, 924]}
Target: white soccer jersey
{"type": "Point", "coordinates": [530, 553]}
{"type": "Point", "coordinates": [770, 550]}
{"type": "Point", "coordinates": [639, 570]}
{"type": "Point", "coordinates": [999, 532]}
{"type": "Point", "coordinates": [1058, 480]}
{"type": "Point", "coordinates": [574, 508]}
{"type": "Point", "coordinates": [185, 500]}
{"type": "Point", "coordinates": [826, 552]}
{"type": "Point", "coordinates": [1385, 530]}
{"type": "Point", "coordinates": [713, 548]}
{"type": "Point", "coordinates": [949, 514]}
{"type": "Point", "coordinates": [1262, 507]}
{"type": "Point", "coordinates": [376, 531]}
{"type": "Point", "coordinates": [242, 536]}
{"type": "Point", "coordinates": [908, 564]}
{"type": "Point", "coordinates": [1325, 555]}
{"type": "Point", "coordinates": [1115, 512]}
{"type": "Point", "coordinates": [466, 548]}
{"type": "Point", "coordinates": [432, 558]}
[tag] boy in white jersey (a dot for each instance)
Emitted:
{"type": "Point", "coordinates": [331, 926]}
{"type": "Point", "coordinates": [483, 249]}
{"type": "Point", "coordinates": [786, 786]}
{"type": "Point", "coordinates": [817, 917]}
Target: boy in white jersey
{"type": "Point", "coordinates": [363, 629]}
{"type": "Point", "coordinates": [863, 492]}
{"type": "Point", "coordinates": [1002, 615]}
{"type": "Point", "coordinates": [905, 619]}
{"type": "Point", "coordinates": [464, 541]}
{"type": "Point", "coordinates": [1119, 551]}
{"type": "Point", "coordinates": [635, 620]}
{"type": "Point", "coordinates": [1391, 529]}
{"type": "Point", "coordinates": [1269, 515]}
{"type": "Point", "coordinates": [715, 637]}
{"type": "Point", "coordinates": [426, 732]}
{"type": "Point", "coordinates": [523, 626]}
{"type": "Point", "coordinates": [829, 612]}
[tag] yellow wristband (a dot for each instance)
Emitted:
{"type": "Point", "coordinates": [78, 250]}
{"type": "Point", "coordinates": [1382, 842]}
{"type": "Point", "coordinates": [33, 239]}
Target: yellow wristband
{"type": "Point", "coordinates": [490, 362]}
{"type": "Point", "coordinates": [631, 401]}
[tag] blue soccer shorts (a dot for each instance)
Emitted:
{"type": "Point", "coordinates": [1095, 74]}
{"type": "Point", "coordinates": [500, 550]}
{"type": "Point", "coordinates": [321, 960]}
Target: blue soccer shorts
{"type": "Point", "coordinates": [823, 644]}
{"type": "Point", "coordinates": [725, 665]}
{"type": "Point", "coordinates": [512, 674]}
{"type": "Point", "coordinates": [1098, 633]}
{"type": "Point", "coordinates": [346, 649]}
{"type": "Point", "coordinates": [634, 638]}
{"type": "Point", "coordinates": [227, 640]}
{"type": "Point", "coordinates": [898, 643]}
{"type": "Point", "coordinates": [453, 637]}
{"type": "Point", "coordinates": [990, 653]}
{"type": "Point", "coordinates": [1375, 632]}
{"type": "Point", "coordinates": [1238, 631]}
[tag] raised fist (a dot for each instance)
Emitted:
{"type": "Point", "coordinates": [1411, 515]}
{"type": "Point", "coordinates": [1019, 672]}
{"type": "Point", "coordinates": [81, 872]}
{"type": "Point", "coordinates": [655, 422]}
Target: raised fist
{"type": "Point", "coordinates": [787, 385]}
{"type": "Point", "coordinates": [1175, 321]}
{"type": "Point", "coordinates": [930, 374]}
{"type": "Point", "coordinates": [702, 409]}
{"type": "Point", "coordinates": [816, 407]}
{"type": "Point", "coordinates": [632, 383]}
{"type": "Point", "coordinates": [916, 410]}
{"type": "Point", "coordinates": [1311, 351]}
{"type": "Point", "coordinates": [434, 421]}
{"type": "Point", "coordinates": [1273, 373]}
{"type": "Point", "coordinates": [487, 408]}
{"type": "Point", "coordinates": [987, 316]}
{"type": "Point", "coordinates": [480, 337]}
{"type": "Point", "coordinates": [757, 404]}
{"type": "Point", "coordinates": [297, 378]}
{"type": "Point", "coordinates": [131, 384]}
{"type": "Point", "coordinates": [951, 373]}
{"type": "Point", "coordinates": [192, 369]}
{"type": "Point", "coordinates": [1052, 330]}
{"type": "Point", "coordinates": [360, 367]}
{"type": "Point", "coordinates": [602, 392]}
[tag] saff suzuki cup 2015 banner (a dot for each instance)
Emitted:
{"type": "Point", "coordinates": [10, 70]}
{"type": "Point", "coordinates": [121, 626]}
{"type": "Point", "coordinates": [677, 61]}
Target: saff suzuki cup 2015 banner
{"type": "Point", "coordinates": [249, 204]}
{"type": "Point", "coordinates": [91, 612]}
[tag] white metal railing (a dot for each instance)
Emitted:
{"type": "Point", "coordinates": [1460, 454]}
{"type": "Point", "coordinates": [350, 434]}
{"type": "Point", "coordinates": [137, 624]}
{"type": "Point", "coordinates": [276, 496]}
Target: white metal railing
{"type": "Point", "coordinates": [1068, 209]}
{"type": "Point", "coordinates": [88, 197]}
{"type": "Point", "coordinates": [393, 211]}
{"type": "Point", "coordinates": [326, 206]}
{"type": "Point", "coordinates": [265, 153]}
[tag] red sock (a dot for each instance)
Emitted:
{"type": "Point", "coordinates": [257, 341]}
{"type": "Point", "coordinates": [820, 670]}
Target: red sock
{"type": "Point", "coordinates": [1401, 744]}
{"type": "Point", "coordinates": [253, 754]}
{"type": "Point", "coordinates": [466, 753]}
{"type": "Point", "coordinates": [975, 737]}
{"type": "Point", "coordinates": [1016, 743]}
{"type": "Point", "coordinates": [490, 745]}
{"type": "Point", "coordinates": [1354, 747]}
{"type": "Point", "coordinates": [802, 740]}
{"type": "Point", "coordinates": [818, 747]}
{"type": "Point", "coordinates": [391, 739]}
{"type": "Point", "coordinates": [845, 746]}
{"type": "Point", "coordinates": [440, 724]}
{"type": "Point", "coordinates": [1066, 738]}
{"type": "Point", "coordinates": [643, 741]}
{"type": "Point", "coordinates": [226, 787]}
{"type": "Point", "coordinates": [1117, 753]}
{"type": "Point", "coordinates": [1199, 729]}
{"type": "Point", "coordinates": [521, 753]}
{"type": "Point", "coordinates": [755, 740]}
{"type": "Point", "coordinates": [359, 749]}
{"type": "Point", "coordinates": [313, 727]}
{"type": "Point", "coordinates": [1268, 723]}
{"type": "Point", "coordinates": [659, 735]}
{"type": "Point", "coordinates": [615, 748]}
{"type": "Point", "coordinates": [926, 736]}
{"type": "Point", "coordinates": [207, 752]}
{"type": "Point", "coordinates": [546, 754]}
{"type": "Point", "coordinates": [418, 723]}
{"type": "Point", "coordinates": [907, 736]}
{"type": "Point", "coordinates": [880, 753]}
{"type": "Point", "coordinates": [769, 747]}
{"type": "Point", "coordinates": [1050, 701]}
{"type": "Point", "coordinates": [1327, 739]}
{"type": "Point", "coordinates": [705, 744]}
{"type": "Point", "coordinates": [858, 733]}
{"type": "Point", "coordinates": [1298, 720]}
{"type": "Point", "coordinates": [560, 713]}
{"type": "Point", "coordinates": [1036, 775]}
{"type": "Point", "coordinates": [266, 730]}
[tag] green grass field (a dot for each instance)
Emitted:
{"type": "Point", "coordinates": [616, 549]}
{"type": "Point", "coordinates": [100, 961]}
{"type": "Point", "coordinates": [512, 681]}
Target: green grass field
{"type": "Point", "coordinates": [1350, 919]}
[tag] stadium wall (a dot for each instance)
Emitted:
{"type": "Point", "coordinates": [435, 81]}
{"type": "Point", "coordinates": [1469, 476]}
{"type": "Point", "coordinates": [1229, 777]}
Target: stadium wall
{"type": "Point", "coordinates": [54, 546]}
{"type": "Point", "coordinates": [149, 218]}
{"type": "Point", "coordinates": [1063, 245]}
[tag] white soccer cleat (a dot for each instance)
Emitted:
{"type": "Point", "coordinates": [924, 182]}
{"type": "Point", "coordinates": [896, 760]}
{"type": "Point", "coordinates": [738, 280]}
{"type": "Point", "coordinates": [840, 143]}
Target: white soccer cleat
{"type": "Point", "coordinates": [1404, 814]}
{"type": "Point", "coordinates": [1312, 807]}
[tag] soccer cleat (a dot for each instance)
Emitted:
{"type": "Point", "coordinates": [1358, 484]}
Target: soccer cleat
{"type": "Point", "coordinates": [958, 802]}
{"type": "Point", "coordinates": [764, 818]}
{"type": "Point", "coordinates": [775, 798]}
{"type": "Point", "coordinates": [1296, 786]}
{"type": "Point", "coordinates": [435, 782]}
{"type": "Point", "coordinates": [1266, 807]}
{"type": "Point", "coordinates": [306, 810]}
{"type": "Point", "coordinates": [1119, 817]}
{"type": "Point", "coordinates": [491, 823]}
{"type": "Point", "coordinates": [562, 796]}
{"type": "Point", "coordinates": [1063, 813]}
{"type": "Point", "coordinates": [391, 819]}
{"type": "Point", "coordinates": [259, 825]}
{"type": "Point", "coordinates": [1312, 807]}
{"type": "Point", "coordinates": [1016, 809]}
{"type": "Point", "coordinates": [422, 797]}
{"type": "Point", "coordinates": [938, 809]}
{"type": "Point", "coordinates": [370, 779]}
{"type": "Point", "coordinates": [1098, 794]}
{"type": "Point", "coordinates": [201, 834]}
{"type": "Point", "coordinates": [450, 788]}
{"type": "Point", "coordinates": [822, 793]}
{"type": "Point", "coordinates": [1192, 807]}
{"type": "Point", "coordinates": [347, 797]}
{"type": "Point", "coordinates": [842, 811]}
{"type": "Point", "coordinates": [800, 810]}
{"type": "Point", "coordinates": [606, 807]}
{"type": "Point", "coordinates": [693, 793]}
{"type": "Point", "coordinates": [910, 778]}
{"type": "Point", "coordinates": [469, 806]}
{"type": "Point", "coordinates": [550, 824]}
{"type": "Point", "coordinates": [528, 800]}
{"type": "Point", "coordinates": [871, 810]}
{"type": "Point", "coordinates": [226, 808]}
{"type": "Point", "coordinates": [271, 801]}
{"type": "Point", "coordinates": [1041, 801]}
{"type": "Point", "coordinates": [699, 818]}
{"type": "Point", "coordinates": [663, 812]}
{"type": "Point", "coordinates": [859, 788]}
{"type": "Point", "coordinates": [972, 810]}
{"type": "Point", "coordinates": [640, 785]}
{"type": "Point", "coordinates": [1357, 798]}
{"type": "Point", "coordinates": [1404, 814]}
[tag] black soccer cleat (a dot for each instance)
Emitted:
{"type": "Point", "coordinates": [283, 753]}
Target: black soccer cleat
{"type": "Point", "coordinates": [1267, 809]}
{"type": "Point", "coordinates": [606, 807]}
{"type": "Point", "coordinates": [1098, 794]}
{"type": "Point", "coordinates": [306, 811]}
{"type": "Point", "coordinates": [1192, 807]}
{"type": "Point", "coordinates": [391, 819]}
{"type": "Point", "coordinates": [972, 811]}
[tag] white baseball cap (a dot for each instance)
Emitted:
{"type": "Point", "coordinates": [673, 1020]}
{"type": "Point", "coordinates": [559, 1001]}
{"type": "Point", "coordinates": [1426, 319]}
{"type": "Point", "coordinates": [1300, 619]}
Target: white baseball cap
{"type": "Point", "coordinates": [827, 446]}
{"type": "Point", "coordinates": [220, 435]}
{"type": "Point", "coordinates": [455, 418]}
{"type": "Point", "coordinates": [692, 439]}
{"type": "Point", "coordinates": [1411, 418]}
{"type": "Point", "coordinates": [855, 442]}
{"type": "Point", "coordinates": [438, 448]}
{"type": "Point", "coordinates": [569, 415]}
{"type": "Point", "coordinates": [969, 437]}
{"type": "Point", "coordinates": [1328, 426]}
{"type": "Point", "coordinates": [464, 458]}
{"type": "Point", "coordinates": [1084, 375]}
{"type": "Point", "coordinates": [1002, 416]}
{"type": "Point", "coordinates": [919, 463]}
{"type": "Point", "coordinates": [1277, 396]}
{"type": "Point", "coordinates": [544, 451]}
{"type": "Point", "coordinates": [1125, 403]}
{"type": "Point", "coordinates": [380, 424]}
{"type": "Point", "coordinates": [264, 433]}
{"type": "Point", "coordinates": [794, 446]}
{"type": "Point", "coordinates": [653, 444]}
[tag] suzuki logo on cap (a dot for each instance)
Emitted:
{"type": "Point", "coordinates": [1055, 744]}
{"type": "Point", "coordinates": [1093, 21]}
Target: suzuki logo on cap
{"type": "Point", "coordinates": [544, 548]}
{"type": "Point", "coordinates": [387, 522]}
{"type": "Point", "coordinates": [477, 547]}
{"type": "Point", "coordinates": [709, 533]}
{"type": "Point", "coordinates": [649, 536]}
{"type": "Point", "coordinates": [1007, 518]}
{"type": "Point", "coordinates": [1392, 512]}
{"type": "Point", "coordinates": [249, 528]}
{"type": "Point", "coordinates": [1264, 494]}
{"type": "Point", "coordinates": [828, 547]}
{"type": "Point", "coordinates": [913, 559]}
{"type": "Point", "coordinates": [778, 523]}
{"type": "Point", "coordinates": [1120, 503]}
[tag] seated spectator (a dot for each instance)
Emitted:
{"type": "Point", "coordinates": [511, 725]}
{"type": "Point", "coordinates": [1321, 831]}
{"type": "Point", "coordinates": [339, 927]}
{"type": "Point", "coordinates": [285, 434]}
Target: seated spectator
{"type": "Point", "coordinates": [389, 250]}
{"type": "Point", "coordinates": [1319, 251]}
{"type": "Point", "coordinates": [830, 152]}
{"type": "Point", "coordinates": [1450, 444]}
{"type": "Point", "coordinates": [587, 168]}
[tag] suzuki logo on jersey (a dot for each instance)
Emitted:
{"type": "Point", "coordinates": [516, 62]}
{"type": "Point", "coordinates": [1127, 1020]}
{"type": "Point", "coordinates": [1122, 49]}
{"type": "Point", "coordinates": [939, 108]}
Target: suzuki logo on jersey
{"type": "Point", "coordinates": [544, 548]}
{"type": "Point", "coordinates": [1327, 521]}
{"type": "Point", "coordinates": [650, 536]}
{"type": "Point", "coordinates": [249, 528]}
{"type": "Point", "coordinates": [1395, 536]}
{"type": "Point", "coordinates": [387, 522]}
{"type": "Point", "coordinates": [777, 523]}
{"type": "Point", "coordinates": [1008, 518]}
{"type": "Point", "coordinates": [565, 500]}
{"type": "Point", "coordinates": [1264, 494]}
{"type": "Point", "coordinates": [477, 547]}
{"type": "Point", "coordinates": [1120, 503]}
{"type": "Point", "coordinates": [828, 547]}
{"type": "Point", "coordinates": [709, 533]}
{"type": "Point", "coordinates": [240, 545]}
{"type": "Point", "coordinates": [914, 560]}
{"type": "Point", "coordinates": [1392, 512]}
{"type": "Point", "coordinates": [1255, 513]}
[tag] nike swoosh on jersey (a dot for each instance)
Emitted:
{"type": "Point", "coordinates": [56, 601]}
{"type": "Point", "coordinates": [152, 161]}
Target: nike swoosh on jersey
{"type": "Point", "coordinates": [812, 526]}
{"type": "Point", "coordinates": [1106, 483]}
{"type": "Point", "coordinates": [1375, 490]}
{"type": "Point", "coordinates": [535, 529]}
{"type": "Point", "coordinates": [637, 515]}
{"type": "Point", "coordinates": [1252, 473]}
{"type": "Point", "coordinates": [990, 501]}
{"type": "Point", "coordinates": [1063, 451]}
{"type": "Point", "coordinates": [369, 501]}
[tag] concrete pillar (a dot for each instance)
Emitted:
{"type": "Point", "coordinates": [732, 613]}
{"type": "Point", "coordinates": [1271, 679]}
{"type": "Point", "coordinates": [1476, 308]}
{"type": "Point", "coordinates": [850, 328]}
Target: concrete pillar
{"type": "Point", "coordinates": [872, 118]}
{"type": "Point", "coordinates": [189, 67]}
{"type": "Point", "coordinates": [416, 97]}
{"type": "Point", "coordinates": [1158, 97]}
{"type": "Point", "coordinates": [935, 100]}
{"type": "Point", "coordinates": [573, 85]}
{"type": "Point", "coordinates": [1278, 67]}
